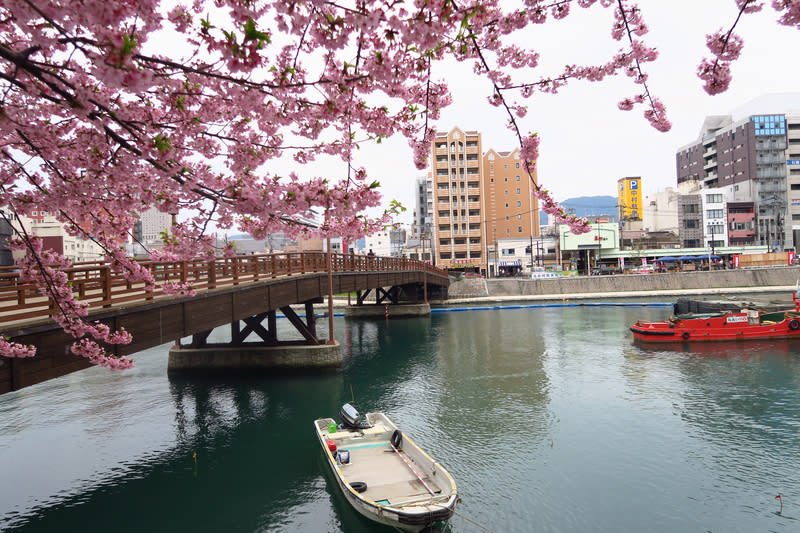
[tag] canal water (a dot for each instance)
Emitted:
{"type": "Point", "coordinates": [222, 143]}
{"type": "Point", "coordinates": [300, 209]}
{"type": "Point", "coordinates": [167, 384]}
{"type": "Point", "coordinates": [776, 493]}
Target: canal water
{"type": "Point", "coordinates": [549, 419]}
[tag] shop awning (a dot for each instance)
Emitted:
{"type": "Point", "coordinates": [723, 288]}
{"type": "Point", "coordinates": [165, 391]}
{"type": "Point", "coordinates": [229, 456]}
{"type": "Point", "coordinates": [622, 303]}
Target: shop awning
{"type": "Point", "coordinates": [510, 263]}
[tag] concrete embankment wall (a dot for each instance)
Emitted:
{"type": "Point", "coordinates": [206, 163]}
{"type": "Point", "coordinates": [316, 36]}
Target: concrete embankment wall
{"type": "Point", "coordinates": [752, 280]}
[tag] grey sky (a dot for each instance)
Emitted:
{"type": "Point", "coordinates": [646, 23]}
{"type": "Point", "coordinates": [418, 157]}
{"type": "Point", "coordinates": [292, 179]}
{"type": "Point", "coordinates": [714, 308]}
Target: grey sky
{"type": "Point", "coordinates": [587, 143]}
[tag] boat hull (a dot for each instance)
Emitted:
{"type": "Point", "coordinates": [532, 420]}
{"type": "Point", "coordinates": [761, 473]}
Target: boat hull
{"type": "Point", "coordinates": [730, 326]}
{"type": "Point", "coordinates": [398, 486]}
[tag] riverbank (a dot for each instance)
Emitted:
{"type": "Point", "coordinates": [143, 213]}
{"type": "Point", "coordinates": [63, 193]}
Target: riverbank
{"type": "Point", "coordinates": [777, 282]}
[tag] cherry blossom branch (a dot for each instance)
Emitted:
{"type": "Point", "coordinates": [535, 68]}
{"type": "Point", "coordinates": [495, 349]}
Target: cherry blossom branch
{"type": "Point", "coordinates": [725, 48]}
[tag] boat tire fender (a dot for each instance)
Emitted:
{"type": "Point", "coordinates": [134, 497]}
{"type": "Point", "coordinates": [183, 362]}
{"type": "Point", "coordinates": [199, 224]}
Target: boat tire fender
{"type": "Point", "coordinates": [685, 334]}
{"type": "Point", "coordinates": [397, 438]}
{"type": "Point", "coordinates": [794, 324]}
{"type": "Point", "coordinates": [359, 486]}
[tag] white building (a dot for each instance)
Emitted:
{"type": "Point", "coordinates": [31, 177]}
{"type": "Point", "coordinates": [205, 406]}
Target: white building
{"type": "Point", "coordinates": [380, 243]}
{"type": "Point", "coordinates": [153, 223]}
{"type": "Point", "coordinates": [660, 211]}
{"type": "Point", "coordinates": [56, 238]}
{"type": "Point", "coordinates": [715, 217]}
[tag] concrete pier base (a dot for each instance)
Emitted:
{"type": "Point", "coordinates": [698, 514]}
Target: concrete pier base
{"type": "Point", "coordinates": [380, 311]}
{"type": "Point", "coordinates": [244, 359]}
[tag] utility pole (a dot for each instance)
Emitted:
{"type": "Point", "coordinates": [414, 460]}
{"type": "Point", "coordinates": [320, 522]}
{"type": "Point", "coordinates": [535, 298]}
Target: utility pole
{"type": "Point", "coordinates": [531, 248]}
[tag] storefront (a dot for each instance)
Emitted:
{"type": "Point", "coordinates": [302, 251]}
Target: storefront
{"type": "Point", "coordinates": [510, 268]}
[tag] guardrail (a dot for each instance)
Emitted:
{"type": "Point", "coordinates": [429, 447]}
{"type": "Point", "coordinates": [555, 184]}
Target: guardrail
{"type": "Point", "coordinates": [98, 285]}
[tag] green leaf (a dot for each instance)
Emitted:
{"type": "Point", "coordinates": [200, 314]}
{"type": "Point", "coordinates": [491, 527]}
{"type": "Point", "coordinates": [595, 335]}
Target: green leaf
{"type": "Point", "coordinates": [252, 34]}
{"type": "Point", "coordinates": [128, 44]}
{"type": "Point", "coordinates": [162, 143]}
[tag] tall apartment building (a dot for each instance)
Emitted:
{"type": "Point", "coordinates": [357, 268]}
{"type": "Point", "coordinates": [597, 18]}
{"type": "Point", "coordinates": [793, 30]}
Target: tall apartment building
{"type": "Point", "coordinates": [481, 200]}
{"type": "Point", "coordinates": [459, 240]}
{"type": "Point", "coordinates": [423, 209]}
{"type": "Point", "coordinates": [747, 160]}
{"type": "Point", "coordinates": [793, 166]}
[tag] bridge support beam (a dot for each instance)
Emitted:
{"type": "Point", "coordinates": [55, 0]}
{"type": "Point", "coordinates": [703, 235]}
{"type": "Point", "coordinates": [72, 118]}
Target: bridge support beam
{"type": "Point", "coordinates": [266, 354]}
{"type": "Point", "coordinates": [387, 311]}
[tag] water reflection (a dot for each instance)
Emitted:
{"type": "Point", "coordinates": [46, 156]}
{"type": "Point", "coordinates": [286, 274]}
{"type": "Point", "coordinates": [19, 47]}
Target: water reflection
{"type": "Point", "coordinates": [550, 419]}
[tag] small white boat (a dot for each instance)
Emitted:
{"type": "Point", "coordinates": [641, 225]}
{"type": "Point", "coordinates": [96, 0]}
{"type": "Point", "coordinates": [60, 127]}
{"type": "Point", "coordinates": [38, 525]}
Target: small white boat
{"type": "Point", "coordinates": [384, 474]}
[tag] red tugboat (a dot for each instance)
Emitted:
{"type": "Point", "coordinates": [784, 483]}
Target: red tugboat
{"type": "Point", "coordinates": [745, 324]}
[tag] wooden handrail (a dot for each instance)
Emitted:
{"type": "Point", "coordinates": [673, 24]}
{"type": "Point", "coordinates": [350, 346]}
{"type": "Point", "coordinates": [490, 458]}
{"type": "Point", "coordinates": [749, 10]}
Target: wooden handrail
{"type": "Point", "coordinates": [95, 283]}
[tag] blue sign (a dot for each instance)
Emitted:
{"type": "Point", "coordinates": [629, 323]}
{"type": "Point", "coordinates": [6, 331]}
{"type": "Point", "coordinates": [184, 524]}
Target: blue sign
{"type": "Point", "coordinates": [793, 162]}
{"type": "Point", "coordinates": [634, 184]}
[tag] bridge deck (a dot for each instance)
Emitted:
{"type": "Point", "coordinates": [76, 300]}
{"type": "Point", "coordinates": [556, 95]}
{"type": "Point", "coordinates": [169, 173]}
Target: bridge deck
{"type": "Point", "coordinates": [228, 290]}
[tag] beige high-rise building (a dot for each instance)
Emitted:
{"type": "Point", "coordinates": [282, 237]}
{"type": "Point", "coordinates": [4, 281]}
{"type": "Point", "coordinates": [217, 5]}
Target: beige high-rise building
{"type": "Point", "coordinates": [480, 200]}
{"type": "Point", "coordinates": [457, 209]}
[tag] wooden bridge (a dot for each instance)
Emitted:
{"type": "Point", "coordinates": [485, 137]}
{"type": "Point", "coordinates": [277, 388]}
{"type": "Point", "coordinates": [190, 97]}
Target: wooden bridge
{"type": "Point", "coordinates": [247, 288]}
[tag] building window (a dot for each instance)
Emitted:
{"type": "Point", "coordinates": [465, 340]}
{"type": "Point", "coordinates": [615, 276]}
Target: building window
{"type": "Point", "coordinates": [519, 229]}
{"type": "Point", "coordinates": [517, 190]}
{"type": "Point", "coordinates": [519, 203]}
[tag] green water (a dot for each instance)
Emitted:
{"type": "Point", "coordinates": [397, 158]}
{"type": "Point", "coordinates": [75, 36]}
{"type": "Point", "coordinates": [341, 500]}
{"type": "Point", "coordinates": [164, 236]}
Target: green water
{"type": "Point", "coordinates": [549, 419]}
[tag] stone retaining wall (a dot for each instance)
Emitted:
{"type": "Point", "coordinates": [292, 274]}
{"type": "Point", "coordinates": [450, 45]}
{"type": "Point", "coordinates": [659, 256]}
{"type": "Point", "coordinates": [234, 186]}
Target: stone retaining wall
{"type": "Point", "coordinates": [645, 283]}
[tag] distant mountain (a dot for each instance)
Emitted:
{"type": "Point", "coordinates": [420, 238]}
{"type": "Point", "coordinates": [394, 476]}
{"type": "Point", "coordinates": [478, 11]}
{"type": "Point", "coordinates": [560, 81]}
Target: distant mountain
{"type": "Point", "coordinates": [584, 206]}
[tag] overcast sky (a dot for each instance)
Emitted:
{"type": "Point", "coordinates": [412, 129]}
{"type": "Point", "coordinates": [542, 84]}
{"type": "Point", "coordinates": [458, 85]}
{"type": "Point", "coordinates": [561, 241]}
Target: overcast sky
{"type": "Point", "coordinates": [587, 143]}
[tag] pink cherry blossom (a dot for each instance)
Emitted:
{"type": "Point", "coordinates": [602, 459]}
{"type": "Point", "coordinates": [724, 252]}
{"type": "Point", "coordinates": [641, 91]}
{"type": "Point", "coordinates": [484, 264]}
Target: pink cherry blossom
{"type": "Point", "coordinates": [109, 108]}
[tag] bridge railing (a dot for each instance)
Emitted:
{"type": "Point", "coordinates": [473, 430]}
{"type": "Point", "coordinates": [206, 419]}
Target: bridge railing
{"type": "Point", "coordinates": [99, 286]}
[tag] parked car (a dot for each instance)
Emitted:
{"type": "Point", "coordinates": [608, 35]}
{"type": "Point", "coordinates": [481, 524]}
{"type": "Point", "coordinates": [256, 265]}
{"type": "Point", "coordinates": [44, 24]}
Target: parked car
{"type": "Point", "coordinates": [605, 270]}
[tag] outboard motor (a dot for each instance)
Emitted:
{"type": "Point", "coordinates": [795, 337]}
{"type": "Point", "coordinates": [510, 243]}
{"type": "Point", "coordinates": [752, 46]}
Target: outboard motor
{"type": "Point", "coordinates": [351, 419]}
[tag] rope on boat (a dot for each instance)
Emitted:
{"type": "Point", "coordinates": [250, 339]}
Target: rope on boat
{"type": "Point", "coordinates": [412, 468]}
{"type": "Point", "coordinates": [473, 522]}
